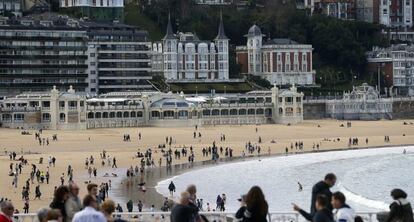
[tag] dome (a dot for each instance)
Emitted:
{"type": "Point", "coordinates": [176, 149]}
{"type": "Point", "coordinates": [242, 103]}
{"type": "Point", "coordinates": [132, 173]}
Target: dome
{"type": "Point", "coordinates": [171, 103]}
{"type": "Point", "coordinates": [254, 31]}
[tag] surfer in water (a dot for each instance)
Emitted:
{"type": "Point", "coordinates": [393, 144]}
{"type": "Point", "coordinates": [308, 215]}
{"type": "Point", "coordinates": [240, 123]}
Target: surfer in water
{"type": "Point", "coordinates": [405, 151]}
{"type": "Point", "coordinates": [300, 187]}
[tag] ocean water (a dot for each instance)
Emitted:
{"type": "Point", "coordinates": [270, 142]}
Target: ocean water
{"type": "Point", "coordinates": [365, 176]}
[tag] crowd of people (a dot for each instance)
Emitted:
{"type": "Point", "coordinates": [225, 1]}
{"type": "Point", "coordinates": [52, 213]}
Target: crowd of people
{"type": "Point", "coordinates": [67, 206]}
{"type": "Point", "coordinates": [326, 206]}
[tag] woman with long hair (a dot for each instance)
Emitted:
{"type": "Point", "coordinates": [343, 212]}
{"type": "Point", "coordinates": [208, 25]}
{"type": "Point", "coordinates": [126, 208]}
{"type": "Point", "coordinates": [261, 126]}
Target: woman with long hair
{"type": "Point", "coordinates": [254, 206]}
{"type": "Point", "coordinates": [61, 195]}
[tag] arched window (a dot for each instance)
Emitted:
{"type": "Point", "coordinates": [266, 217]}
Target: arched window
{"type": "Point", "coordinates": [119, 115]}
{"type": "Point", "coordinates": [233, 112]}
{"type": "Point", "coordinates": [98, 115]}
{"type": "Point", "coordinates": [251, 112]}
{"type": "Point", "coordinates": [90, 115]}
{"type": "Point", "coordinates": [242, 112]}
{"type": "Point", "coordinates": [105, 115]}
{"type": "Point", "coordinates": [259, 111]}
{"type": "Point", "coordinates": [112, 115]}
{"type": "Point", "coordinates": [216, 112]}
{"type": "Point", "coordinates": [224, 112]}
{"type": "Point", "coordinates": [139, 114]}
{"type": "Point", "coordinates": [133, 114]}
{"type": "Point", "coordinates": [206, 112]}
{"type": "Point", "coordinates": [126, 114]}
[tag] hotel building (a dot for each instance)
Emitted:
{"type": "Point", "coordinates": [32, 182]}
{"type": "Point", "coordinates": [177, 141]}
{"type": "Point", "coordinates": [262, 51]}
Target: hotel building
{"type": "Point", "coordinates": [280, 61]}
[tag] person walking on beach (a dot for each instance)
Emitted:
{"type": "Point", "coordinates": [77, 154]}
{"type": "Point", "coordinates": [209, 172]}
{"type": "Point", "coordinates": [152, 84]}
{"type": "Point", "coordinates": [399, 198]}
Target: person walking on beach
{"type": "Point", "coordinates": [130, 206]}
{"type": "Point", "coordinates": [171, 188]}
{"type": "Point", "coordinates": [400, 209]}
{"type": "Point", "coordinates": [140, 206]}
{"type": "Point", "coordinates": [38, 194]}
{"type": "Point", "coordinates": [342, 212]}
{"type": "Point", "coordinates": [323, 187]}
{"type": "Point", "coordinates": [114, 163]}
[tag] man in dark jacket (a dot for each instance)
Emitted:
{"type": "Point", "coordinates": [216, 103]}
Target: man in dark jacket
{"type": "Point", "coordinates": [322, 214]}
{"type": "Point", "coordinates": [130, 206]}
{"type": "Point", "coordinates": [183, 212]}
{"type": "Point", "coordinates": [323, 188]}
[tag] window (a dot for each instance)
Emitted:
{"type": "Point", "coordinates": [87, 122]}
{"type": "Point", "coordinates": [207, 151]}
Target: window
{"type": "Point", "coordinates": [62, 117]}
{"type": "Point", "coordinates": [61, 104]}
{"type": "Point", "coordinates": [93, 72]}
{"type": "Point", "coordinates": [46, 104]}
{"type": "Point", "coordinates": [93, 63]}
{"type": "Point", "coordinates": [18, 117]}
{"type": "Point", "coordinates": [46, 117]}
{"type": "Point", "coordinates": [73, 104]}
{"type": "Point", "coordinates": [92, 54]}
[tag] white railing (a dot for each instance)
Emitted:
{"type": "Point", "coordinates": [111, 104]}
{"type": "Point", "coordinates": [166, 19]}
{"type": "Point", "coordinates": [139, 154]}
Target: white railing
{"type": "Point", "coordinates": [211, 216]}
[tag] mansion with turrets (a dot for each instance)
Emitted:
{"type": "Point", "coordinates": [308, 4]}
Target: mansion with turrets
{"type": "Point", "coordinates": [72, 110]}
{"type": "Point", "coordinates": [186, 58]}
{"type": "Point", "coordinates": [280, 61]}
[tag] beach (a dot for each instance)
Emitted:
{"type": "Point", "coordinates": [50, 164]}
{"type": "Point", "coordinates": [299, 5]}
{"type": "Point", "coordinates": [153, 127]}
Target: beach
{"type": "Point", "coordinates": [73, 147]}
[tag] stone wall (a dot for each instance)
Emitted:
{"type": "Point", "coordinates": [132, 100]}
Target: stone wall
{"type": "Point", "coordinates": [403, 110]}
{"type": "Point", "coordinates": [314, 111]}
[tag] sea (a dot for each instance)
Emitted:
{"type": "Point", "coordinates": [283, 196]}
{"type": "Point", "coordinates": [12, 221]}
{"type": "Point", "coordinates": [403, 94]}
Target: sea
{"type": "Point", "coordinates": [365, 176]}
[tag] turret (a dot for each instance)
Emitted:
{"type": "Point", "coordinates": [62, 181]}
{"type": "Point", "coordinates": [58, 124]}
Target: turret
{"type": "Point", "coordinates": [170, 52]}
{"type": "Point", "coordinates": [254, 46]}
{"type": "Point", "coordinates": [222, 44]}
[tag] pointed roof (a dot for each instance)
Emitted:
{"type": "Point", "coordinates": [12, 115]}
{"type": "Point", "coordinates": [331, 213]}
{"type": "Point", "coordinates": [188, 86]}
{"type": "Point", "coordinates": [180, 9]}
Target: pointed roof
{"type": "Point", "coordinates": [170, 33]}
{"type": "Point", "coordinates": [221, 34]}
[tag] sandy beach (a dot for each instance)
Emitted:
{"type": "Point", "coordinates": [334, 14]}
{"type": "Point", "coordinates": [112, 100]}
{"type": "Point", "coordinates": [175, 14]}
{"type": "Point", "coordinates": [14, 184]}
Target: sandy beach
{"type": "Point", "coordinates": [73, 147]}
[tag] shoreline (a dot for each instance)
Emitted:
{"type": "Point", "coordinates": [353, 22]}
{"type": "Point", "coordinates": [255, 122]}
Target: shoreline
{"type": "Point", "coordinates": [152, 178]}
{"type": "Point", "coordinates": [74, 147]}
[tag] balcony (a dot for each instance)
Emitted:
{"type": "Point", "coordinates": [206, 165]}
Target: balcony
{"type": "Point", "coordinates": [20, 109]}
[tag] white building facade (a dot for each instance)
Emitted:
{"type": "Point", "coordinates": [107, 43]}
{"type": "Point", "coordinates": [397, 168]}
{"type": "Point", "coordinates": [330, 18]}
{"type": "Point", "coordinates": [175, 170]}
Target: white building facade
{"type": "Point", "coordinates": [363, 103]}
{"type": "Point", "coordinates": [70, 110]}
{"type": "Point", "coordinates": [280, 61]}
{"type": "Point", "coordinates": [184, 57]}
